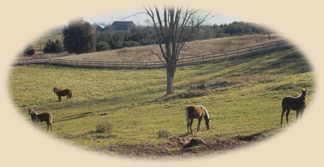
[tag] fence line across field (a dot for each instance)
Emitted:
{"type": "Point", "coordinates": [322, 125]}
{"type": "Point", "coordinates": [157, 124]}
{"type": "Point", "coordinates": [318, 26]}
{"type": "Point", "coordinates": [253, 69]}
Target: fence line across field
{"type": "Point", "coordinates": [261, 48]}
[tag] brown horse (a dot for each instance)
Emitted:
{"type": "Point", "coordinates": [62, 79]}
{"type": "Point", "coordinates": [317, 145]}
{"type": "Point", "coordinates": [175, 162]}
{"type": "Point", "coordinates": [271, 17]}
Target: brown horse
{"type": "Point", "coordinates": [198, 112]}
{"type": "Point", "coordinates": [65, 92]}
{"type": "Point", "coordinates": [47, 117]}
{"type": "Point", "coordinates": [293, 103]}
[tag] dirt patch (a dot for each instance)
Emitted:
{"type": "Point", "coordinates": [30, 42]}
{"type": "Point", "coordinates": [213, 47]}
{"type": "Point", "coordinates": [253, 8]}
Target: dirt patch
{"type": "Point", "coordinates": [212, 85]}
{"type": "Point", "coordinates": [183, 147]}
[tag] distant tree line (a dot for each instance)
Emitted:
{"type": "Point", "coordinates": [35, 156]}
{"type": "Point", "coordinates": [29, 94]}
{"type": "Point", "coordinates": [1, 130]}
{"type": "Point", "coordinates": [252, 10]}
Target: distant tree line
{"type": "Point", "coordinates": [141, 36]}
{"type": "Point", "coordinates": [79, 36]}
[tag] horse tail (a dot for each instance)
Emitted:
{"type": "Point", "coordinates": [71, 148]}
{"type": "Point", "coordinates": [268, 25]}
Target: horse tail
{"type": "Point", "coordinates": [50, 118]}
{"type": "Point", "coordinates": [187, 115]}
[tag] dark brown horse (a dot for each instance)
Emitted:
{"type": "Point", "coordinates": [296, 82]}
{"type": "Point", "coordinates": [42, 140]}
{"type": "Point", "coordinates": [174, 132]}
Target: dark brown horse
{"type": "Point", "coordinates": [294, 103]}
{"type": "Point", "coordinates": [65, 92]}
{"type": "Point", "coordinates": [198, 112]}
{"type": "Point", "coordinates": [47, 117]}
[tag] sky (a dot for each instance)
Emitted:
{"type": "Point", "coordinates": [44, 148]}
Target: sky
{"type": "Point", "coordinates": [140, 18]}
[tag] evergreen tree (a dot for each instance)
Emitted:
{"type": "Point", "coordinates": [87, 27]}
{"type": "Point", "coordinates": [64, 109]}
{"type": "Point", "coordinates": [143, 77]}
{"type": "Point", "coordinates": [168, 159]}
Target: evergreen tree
{"type": "Point", "coordinates": [53, 47]}
{"type": "Point", "coordinates": [79, 37]}
{"type": "Point", "coordinates": [29, 50]}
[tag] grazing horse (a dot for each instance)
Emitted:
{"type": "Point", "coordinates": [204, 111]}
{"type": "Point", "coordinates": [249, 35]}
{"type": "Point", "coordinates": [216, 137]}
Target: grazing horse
{"type": "Point", "coordinates": [41, 117]}
{"type": "Point", "coordinates": [65, 92]}
{"type": "Point", "coordinates": [293, 103]}
{"type": "Point", "coordinates": [197, 112]}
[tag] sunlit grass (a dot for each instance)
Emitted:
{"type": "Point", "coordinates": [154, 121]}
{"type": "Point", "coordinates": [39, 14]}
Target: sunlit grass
{"type": "Point", "coordinates": [133, 101]}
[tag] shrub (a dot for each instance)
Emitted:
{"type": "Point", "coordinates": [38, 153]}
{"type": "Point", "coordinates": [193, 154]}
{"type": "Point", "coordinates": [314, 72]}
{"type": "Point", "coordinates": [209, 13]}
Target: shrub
{"type": "Point", "coordinates": [102, 46]}
{"type": "Point", "coordinates": [53, 47]}
{"type": "Point", "coordinates": [29, 50]}
{"type": "Point", "coordinates": [164, 134]}
{"type": "Point", "coordinates": [104, 126]}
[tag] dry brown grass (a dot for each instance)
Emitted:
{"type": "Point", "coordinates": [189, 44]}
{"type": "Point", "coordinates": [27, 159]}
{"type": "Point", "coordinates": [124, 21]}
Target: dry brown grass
{"type": "Point", "coordinates": [195, 48]}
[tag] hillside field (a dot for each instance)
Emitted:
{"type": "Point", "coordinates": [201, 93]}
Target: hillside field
{"type": "Point", "coordinates": [122, 111]}
{"type": "Point", "coordinates": [149, 53]}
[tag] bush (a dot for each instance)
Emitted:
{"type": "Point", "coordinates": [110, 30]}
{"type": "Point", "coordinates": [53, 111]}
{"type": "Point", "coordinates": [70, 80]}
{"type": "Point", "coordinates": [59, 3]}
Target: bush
{"type": "Point", "coordinates": [131, 44]}
{"type": "Point", "coordinates": [53, 47]}
{"type": "Point", "coordinates": [164, 134]}
{"type": "Point", "coordinates": [104, 126]}
{"type": "Point", "coordinates": [29, 50]}
{"type": "Point", "coordinates": [102, 46]}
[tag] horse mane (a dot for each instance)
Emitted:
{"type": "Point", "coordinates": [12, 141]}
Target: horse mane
{"type": "Point", "coordinates": [207, 114]}
{"type": "Point", "coordinates": [31, 111]}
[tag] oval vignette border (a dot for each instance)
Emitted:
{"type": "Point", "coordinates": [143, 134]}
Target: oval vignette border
{"type": "Point", "coordinates": [297, 146]}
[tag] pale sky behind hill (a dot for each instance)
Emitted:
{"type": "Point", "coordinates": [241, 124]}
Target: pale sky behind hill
{"type": "Point", "coordinates": [140, 19]}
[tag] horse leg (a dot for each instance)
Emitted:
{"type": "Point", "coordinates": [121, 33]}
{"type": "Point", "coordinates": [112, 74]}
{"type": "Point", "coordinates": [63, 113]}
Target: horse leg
{"type": "Point", "coordinates": [198, 127]}
{"type": "Point", "coordinates": [297, 114]}
{"type": "Point", "coordinates": [47, 127]}
{"type": "Point", "coordinates": [187, 127]}
{"type": "Point", "coordinates": [301, 113]}
{"type": "Point", "coordinates": [59, 98]}
{"type": "Point", "coordinates": [191, 120]}
{"type": "Point", "coordinates": [287, 114]}
{"type": "Point", "coordinates": [282, 114]}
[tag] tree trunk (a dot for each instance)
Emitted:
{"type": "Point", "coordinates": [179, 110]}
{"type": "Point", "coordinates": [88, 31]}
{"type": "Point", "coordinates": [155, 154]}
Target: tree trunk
{"type": "Point", "coordinates": [170, 76]}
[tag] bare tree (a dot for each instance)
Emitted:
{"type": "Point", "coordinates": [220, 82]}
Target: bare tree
{"type": "Point", "coordinates": [174, 27]}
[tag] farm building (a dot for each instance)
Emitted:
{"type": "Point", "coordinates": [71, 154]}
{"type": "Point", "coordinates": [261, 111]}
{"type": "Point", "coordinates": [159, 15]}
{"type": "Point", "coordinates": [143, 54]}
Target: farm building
{"type": "Point", "coordinates": [123, 25]}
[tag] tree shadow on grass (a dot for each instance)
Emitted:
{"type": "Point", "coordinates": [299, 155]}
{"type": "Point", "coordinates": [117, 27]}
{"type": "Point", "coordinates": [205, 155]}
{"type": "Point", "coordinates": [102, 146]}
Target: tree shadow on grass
{"type": "Point", "coordinates": [71, 117]}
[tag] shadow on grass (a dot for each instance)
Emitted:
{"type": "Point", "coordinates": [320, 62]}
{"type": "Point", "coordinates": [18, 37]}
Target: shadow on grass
{"type": "Point", "coordinates": [71, 117]}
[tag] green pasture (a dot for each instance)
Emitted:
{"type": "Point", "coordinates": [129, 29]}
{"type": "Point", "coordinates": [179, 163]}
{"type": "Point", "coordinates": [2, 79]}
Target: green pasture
{"type": "Point", "coordinates": [132, 101]}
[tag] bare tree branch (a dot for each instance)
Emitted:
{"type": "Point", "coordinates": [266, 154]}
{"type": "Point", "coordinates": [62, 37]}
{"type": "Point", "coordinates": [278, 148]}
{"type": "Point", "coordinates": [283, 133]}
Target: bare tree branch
{"type": "Point", "coordinates": [174, 26]}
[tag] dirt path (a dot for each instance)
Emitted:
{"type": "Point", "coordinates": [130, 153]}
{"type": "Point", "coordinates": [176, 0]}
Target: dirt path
{"type": "Point", "coordinates": [184, 147]}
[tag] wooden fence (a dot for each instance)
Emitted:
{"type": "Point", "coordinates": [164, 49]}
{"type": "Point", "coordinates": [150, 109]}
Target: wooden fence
{"type": "Point", "coordinates": [261, 48]}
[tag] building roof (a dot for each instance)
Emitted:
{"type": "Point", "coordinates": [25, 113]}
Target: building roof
{"type": "Point", "coordinates": [121, 23]}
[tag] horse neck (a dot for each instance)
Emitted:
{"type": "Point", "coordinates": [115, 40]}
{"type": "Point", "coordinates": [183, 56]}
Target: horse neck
{"type": "Point", "coordinates": [33, 113]}
{"type": "Point", "coordinates": [302, 97]}
{"type": "Point", "coordinates": [206, 116]}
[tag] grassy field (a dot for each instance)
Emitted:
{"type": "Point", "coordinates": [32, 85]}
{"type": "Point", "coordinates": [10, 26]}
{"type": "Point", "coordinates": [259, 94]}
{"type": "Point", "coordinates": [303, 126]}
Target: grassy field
{"type": "Point", "coordinates": [113, 111]}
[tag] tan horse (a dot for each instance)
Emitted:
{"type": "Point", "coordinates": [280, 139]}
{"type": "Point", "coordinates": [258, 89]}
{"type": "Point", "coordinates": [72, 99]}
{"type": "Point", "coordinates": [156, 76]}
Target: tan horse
{"type": "Point", "coordinates": [198, 112]}
{"type": "Point", "coordinates": [293, 103]}
{"type": "Point", "coordinates": [65, 92]}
